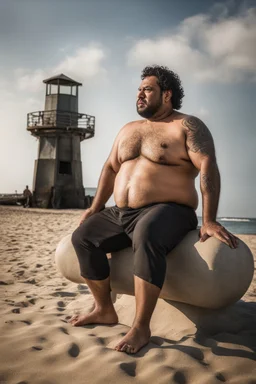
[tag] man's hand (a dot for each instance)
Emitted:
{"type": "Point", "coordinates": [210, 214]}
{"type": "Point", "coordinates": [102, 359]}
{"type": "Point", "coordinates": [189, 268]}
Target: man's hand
{"type": "Point", "coordinates": [215, 229]}
{"type": "Point", "coordinates": [87, 213]}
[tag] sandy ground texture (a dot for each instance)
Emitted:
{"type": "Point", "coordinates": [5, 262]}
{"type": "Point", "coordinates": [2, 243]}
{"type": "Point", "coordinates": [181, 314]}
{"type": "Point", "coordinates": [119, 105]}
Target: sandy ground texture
{"type": "Point", "coordinates": [39, 346]}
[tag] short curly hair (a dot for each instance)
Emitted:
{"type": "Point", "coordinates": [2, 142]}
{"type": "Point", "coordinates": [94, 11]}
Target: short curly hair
{"type": "Point", "coordinates": [167, 80]}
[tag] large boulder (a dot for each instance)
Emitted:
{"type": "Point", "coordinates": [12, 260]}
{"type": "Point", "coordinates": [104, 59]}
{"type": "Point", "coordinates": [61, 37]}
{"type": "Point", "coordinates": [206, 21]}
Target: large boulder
{"type": "Point", "coordinates": [206, 274]}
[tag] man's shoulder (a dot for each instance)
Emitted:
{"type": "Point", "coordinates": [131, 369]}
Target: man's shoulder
{"type": "Point", "coordinates": [186, 117]}
{"type": "Point", "coordinates": [132, 124]}
{"type": "Point", "coordinates": [191, 122]}
{"type": "Point", "coordinates": [135, 123]}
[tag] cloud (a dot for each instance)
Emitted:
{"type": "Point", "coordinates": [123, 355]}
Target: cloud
{"type": "Point", "coordinates": [205, 48]}
{"type": "Point", "coordinates": [84, 64]}
{"type": "Point", "coordinates": [30, 81]}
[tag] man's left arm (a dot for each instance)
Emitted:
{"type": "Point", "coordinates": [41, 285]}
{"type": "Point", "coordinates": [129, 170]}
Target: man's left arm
{"type": "Point", "coordinates": [200, 147]}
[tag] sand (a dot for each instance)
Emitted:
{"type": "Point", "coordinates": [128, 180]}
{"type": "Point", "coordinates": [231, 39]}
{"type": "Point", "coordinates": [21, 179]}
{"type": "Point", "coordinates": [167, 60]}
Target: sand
{"type": "Point", "coordinates": [38, 345]}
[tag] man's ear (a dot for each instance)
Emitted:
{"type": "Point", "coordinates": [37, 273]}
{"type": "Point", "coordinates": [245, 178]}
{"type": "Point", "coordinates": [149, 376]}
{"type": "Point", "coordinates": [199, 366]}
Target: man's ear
{"type": "Point", "coordinates": [167, 96]}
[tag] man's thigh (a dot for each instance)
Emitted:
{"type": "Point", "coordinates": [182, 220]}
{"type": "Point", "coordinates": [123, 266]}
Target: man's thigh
{"type": "Point", "coordinates": [165, 224]}
{"type": "Point", "coordinates": [104, 231]}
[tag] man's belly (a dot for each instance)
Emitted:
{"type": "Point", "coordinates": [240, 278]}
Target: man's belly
{"type": "Point", "coordinates": [140, 182]}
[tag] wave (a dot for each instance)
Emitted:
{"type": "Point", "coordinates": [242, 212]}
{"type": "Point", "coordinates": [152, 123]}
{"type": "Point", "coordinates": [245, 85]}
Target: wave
{"type": "Point", "coordinates": [233, 219]}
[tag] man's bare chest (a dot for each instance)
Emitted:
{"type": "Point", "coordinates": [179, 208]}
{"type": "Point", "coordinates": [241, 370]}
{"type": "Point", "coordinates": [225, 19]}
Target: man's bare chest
{"type": "Point", "coordinates": [160, 146]}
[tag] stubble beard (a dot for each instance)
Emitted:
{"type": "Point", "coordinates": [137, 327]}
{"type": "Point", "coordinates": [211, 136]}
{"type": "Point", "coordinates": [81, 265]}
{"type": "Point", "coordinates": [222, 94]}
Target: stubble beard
{"type": "Point", "coordinates": [149, 110]}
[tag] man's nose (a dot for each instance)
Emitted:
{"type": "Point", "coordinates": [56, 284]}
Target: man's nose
{"type": "Point", "coordinates": [141, 94]}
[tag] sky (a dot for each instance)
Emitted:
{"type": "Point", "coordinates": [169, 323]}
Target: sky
{"type": "Point", "coordinates": [105, 44]}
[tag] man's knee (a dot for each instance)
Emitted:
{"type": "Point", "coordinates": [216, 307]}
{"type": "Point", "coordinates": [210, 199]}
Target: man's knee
{"type": "Point", "coordinates": [76, 238]}
{"type": "Point", "coordinates": [80, 235]}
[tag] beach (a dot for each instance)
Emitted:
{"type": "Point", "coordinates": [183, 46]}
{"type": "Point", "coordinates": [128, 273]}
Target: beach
{"type": "Point", "coordinates": [39, 346]}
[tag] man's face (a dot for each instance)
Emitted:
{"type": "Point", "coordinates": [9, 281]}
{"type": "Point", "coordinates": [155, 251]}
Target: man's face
{"type": "Point", "coordinates": [149, 97]}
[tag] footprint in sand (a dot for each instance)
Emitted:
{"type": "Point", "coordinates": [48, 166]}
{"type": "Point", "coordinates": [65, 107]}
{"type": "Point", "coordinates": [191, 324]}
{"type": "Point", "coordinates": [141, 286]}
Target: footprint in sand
{"type": "Point", "coordinates": [26, 322]}
{"type": "Point", "coordinates": [101, 341]}
{"type": "Point", "coordinates": [74, 350]}
{"type": "Point", "coordinates": [82, 287]}
{"type": "Point", "coordinates": [61, 304]}
{"type": "Point", "coordinates": [220, 377]}
{"type": "Point", "coordinates": [64, 330]}
{"type": "Point", "coordinates": [22, 304]}
{"type": "Point", "coordinates": [179, 378]}
{"type": "Point", "coordinates": [20, 273]}
{"type": "Point", "coordinates": [30, 281]}
{"type": "Point", "coordinates": [60, 310]}
{"type": "Point", "coordinates": [63, 294]}
{"type": "Point", "coordinates": [16, 310]}
{"type": "Point", "coordinates": [129, 368]}
{"type": "Point", "coordinates": [37, 348]}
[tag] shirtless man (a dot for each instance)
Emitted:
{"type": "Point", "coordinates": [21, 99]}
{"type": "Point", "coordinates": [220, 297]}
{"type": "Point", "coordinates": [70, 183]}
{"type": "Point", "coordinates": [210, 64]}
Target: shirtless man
{"type": "Point", "coordinates": [151, 170]}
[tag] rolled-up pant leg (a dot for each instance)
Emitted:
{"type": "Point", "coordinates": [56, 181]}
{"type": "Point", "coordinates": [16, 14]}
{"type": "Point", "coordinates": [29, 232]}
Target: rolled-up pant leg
{"type": "Point", "coordinates": [97, 235]}
{"type": "Point", "coordinates": [157, 232]}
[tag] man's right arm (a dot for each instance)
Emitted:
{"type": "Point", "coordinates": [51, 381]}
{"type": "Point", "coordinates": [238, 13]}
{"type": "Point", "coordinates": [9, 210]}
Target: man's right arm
{"type": "Point", "coordinates": [106, 181]}
{"type": "Point", "coordinates": [105, 187]}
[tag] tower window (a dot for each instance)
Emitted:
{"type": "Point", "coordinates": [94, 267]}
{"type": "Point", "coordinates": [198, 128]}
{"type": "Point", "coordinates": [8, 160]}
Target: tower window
{"type": "Point", "coordinates": [65, 168]}
{"type": "Point", "coordinates": [74, 90]}
{"type": "Point", "coordinates": [65, 89]}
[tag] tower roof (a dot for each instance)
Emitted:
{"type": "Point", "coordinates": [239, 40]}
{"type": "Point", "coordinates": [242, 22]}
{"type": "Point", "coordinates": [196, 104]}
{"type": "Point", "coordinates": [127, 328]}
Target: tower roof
{"type": "Point", "coordinates": [61, 79]}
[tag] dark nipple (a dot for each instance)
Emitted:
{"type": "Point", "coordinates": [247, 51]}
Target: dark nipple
{"type": "Point", "coordinates": [164, 145]}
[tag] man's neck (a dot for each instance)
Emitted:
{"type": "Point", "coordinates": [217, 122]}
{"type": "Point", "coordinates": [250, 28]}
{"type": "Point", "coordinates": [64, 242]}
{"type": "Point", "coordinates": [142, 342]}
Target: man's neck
{"type": "Point", "coordinates": [162, 116]}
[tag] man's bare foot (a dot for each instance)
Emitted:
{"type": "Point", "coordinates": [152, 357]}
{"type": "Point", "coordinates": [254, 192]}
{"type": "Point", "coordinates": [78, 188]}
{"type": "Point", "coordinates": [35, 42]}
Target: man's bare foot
{"type": "Point", "coordinates": [97, 316]}
{"type": "Point", "coordinates": [134, 340]}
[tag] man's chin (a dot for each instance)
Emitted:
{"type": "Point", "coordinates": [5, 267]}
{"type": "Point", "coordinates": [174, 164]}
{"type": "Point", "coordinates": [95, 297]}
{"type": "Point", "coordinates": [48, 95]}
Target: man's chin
{"type": "Point", "coordinates": [143, 112]}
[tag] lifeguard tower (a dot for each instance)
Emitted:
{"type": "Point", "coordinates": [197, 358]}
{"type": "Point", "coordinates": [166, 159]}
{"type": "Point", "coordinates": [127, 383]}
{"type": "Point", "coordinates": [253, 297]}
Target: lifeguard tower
{"type": "Point", "coordinates": [60, 128]}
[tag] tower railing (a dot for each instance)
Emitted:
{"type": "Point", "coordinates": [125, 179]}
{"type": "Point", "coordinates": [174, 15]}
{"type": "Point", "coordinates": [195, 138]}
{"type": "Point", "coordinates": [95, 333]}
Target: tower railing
{"type": "Point", "coordinates": [60, 120]}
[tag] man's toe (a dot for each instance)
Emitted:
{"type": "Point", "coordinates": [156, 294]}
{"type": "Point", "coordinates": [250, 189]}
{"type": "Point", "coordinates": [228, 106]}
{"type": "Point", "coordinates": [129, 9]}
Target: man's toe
{"type": "Point", "coordinates": [124, 348]}
{"type": "Point", "coordinates": [129, 349]}
{"type": "Point", "coordinates": [73, 320]}
{"type": "Point", "coordinates": [119, 346]}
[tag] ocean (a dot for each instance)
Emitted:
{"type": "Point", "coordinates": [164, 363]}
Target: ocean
{"type": "Point", "coordinates": [236, 225]}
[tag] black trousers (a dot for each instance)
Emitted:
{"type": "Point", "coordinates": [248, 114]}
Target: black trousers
{"type": "Point", "coordinates": [152, 231]}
